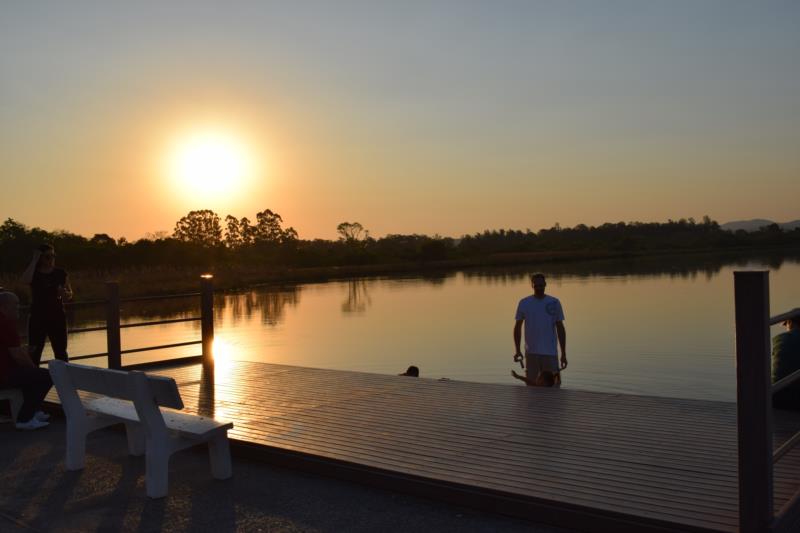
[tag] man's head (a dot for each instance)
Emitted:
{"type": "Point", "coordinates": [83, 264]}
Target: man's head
{"type": "Point", "coordinates": [412, 372]}
{"type": "Point", "coordinates": [9, 305]}
{"type": "Point", "coordinates": [538, 283]}
{"type": "Point", "coordinates": [48, 257]}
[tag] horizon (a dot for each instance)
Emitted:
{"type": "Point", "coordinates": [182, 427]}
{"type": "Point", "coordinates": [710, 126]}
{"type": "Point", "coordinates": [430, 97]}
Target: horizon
{"type": "Point", "coordinates": [446, 119]}
{"type": "Point", "coordinates": [154, 235]}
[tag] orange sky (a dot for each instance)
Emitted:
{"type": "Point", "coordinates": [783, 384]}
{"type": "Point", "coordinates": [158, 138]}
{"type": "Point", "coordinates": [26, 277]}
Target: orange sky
{"type": "Point", "coordinates": [426, 119]}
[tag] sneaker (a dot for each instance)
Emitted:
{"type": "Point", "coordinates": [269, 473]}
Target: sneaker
{"type": "Point", "coordinates": [32, 424]}
{"type": "Point", "coordinates": [41, 416]}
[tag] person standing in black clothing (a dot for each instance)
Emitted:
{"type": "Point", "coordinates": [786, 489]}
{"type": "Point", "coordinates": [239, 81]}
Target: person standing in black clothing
{"type": "Point", "coordinates": [49, 289]}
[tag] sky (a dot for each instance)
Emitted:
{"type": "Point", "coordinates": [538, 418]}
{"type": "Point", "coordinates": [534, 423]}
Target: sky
{"type": "Point", "coordinates": [436, 117]}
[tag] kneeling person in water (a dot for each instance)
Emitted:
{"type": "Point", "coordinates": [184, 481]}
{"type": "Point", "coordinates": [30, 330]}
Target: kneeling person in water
{"type": "Point", "coordinates": [543, 319]}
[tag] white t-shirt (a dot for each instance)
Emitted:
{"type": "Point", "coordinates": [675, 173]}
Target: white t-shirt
{"type": "Point", "coordinates": [540, 316]}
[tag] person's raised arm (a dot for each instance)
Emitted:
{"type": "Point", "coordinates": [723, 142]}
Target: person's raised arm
{"type": "Point", "coordinates": [562, 341]}
{"type": "Point", "coordinates": [27, 276]}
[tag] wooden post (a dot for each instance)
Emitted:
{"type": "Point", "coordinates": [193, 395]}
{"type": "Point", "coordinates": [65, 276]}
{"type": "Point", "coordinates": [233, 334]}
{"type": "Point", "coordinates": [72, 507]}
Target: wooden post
{"type": "Point", "coordinates": [113, 342]}
{"type": "Point", "coordinates": [207, 317]}
{"type": "Point", "coordinates": [754, 400]}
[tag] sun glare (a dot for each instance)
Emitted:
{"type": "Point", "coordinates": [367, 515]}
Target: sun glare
{"type": "Point", "coordinates": [210, 163]}
{"type": "Point", "coordinates": [224, 355]}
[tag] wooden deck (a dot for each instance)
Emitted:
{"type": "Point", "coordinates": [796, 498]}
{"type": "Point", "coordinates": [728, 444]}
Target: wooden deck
{"type": "Point", "coordinates": [583, 460]}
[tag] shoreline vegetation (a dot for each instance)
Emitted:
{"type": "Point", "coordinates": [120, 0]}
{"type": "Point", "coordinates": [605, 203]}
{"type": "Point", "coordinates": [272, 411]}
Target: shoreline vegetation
{"type": "Point", "coordinates": [165, 280]}
{"type": "Point", "coordinates": [265, 253]}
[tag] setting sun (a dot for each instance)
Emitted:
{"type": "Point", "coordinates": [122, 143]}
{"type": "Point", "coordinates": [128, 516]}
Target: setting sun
{"type": "Point", "coordinates": [210, 163]}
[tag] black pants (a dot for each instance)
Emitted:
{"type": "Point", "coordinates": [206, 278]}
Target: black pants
{"type": "Point", "coordinates": [35, 383]}
{"type": "Point", "coordinates": [43, 326]}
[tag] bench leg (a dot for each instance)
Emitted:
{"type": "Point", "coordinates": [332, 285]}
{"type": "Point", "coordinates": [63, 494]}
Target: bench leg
{"type": "Point", "coordinates": [219, 452]}
{"type": "Point", "coordinates": [156, 475]}
{"type": "Point", "coordinates": [136, 438]}
{"type": "Point", "coordinates": [76, 447]}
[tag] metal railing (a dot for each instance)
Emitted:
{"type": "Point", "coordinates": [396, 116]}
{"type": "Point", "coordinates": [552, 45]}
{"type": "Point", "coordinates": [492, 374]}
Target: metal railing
{"type": "Point", "coordinates": [754, 390]}
{"type": "Point", "coordinates": [781, 384]}
{"type": "Point", "coordinates": [113, 327]}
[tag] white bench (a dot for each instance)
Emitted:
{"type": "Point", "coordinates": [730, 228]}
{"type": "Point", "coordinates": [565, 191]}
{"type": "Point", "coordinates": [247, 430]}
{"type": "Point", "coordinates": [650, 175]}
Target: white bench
{"type": "Point", "coordinates": [15, 399]}
{"type": "Point", "coordinates": [133, 398]}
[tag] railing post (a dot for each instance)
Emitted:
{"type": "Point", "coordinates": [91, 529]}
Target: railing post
{"type": "Point", "coordinates": [754, 400]}
{"type": "Point", "coordinates": [113, 342]}
{"type": "Point", "coordinates": [207, 317]}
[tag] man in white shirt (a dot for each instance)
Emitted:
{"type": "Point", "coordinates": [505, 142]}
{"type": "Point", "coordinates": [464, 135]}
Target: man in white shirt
{"type": "Point", "coordinates": [543, 318]}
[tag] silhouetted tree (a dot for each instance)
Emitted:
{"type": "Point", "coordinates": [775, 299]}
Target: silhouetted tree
{"type": "Point", "coordinates": [199, 227]}
{"type": "Point", "coordinates": [12, 230]}
{"type": "Point", "coordinates": [268, 229]}
{"type": "Point", "coordinates": [103, 239]}
{"type": "Point", "coordinates": [351, 231]}
{"type": "Point", "coordinates": [248, 231]}
{"type": "Point", "coordinates": [233, 232]}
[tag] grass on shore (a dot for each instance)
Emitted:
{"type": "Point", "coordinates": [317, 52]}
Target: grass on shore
{"type": "Point", "coordinates": [164, 280]}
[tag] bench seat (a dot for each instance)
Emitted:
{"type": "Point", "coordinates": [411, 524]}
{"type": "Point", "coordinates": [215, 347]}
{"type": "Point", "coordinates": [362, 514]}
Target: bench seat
{"type": "Point", "coordinates": [183, 423]}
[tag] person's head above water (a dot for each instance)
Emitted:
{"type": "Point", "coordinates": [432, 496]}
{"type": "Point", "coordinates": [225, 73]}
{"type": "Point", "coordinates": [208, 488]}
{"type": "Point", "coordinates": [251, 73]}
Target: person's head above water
{"type": "Point", "coordinates": [412, 371]}
{"type": "Point", "coordinates": [538, 283]}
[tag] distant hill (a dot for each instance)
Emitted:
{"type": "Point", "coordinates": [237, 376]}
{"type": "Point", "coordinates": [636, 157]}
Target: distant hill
{"type": "Point", "coordinates": [758, 223]}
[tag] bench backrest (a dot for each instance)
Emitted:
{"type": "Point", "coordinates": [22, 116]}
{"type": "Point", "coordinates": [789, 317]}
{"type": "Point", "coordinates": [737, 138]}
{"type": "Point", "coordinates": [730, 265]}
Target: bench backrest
{"type": "Point", "coordinates": [118, 384]}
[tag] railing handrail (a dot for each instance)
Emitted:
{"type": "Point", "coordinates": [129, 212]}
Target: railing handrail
{"type": "Point", "coordinates": [137, 324]}
{"type": "Point", "coordinates": [157, 322]}
{"type": "Point", "coordinates": [113, 327]}
{"type": "Point", "coordinates": [161, 347]}
{"type": "Point", "coordinates": [785, 381]}
{"type": "Point", "coordinates": [781, 384]}
{"type": "Point", "coordinates": [786, 447]}
{"type": "Point", "coordinates": [777, 319]}
{"type": "Point", "coordinates": [159, 297]}
{"type": "Point", "coordinates": [26, 307]}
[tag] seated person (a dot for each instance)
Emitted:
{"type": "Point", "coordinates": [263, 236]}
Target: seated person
{"type": "Point", "coordinates": [17, 369]}
{"type": "Point", "coordinates": [545, 378]}
{"type": "Point", "coordinates": [786, 360]}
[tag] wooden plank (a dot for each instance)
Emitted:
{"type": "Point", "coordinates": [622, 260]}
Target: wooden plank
{"type": "Point", "coordinates": [578, 459]}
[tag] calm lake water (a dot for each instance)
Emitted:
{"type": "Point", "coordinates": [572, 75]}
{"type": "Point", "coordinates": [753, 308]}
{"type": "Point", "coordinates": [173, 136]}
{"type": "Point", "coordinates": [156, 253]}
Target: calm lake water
{"type": "Point", "coordinates": [660, 326]}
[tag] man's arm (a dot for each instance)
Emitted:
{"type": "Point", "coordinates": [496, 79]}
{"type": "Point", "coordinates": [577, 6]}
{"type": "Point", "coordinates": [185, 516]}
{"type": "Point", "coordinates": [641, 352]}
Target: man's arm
{"type": "Point", "coordinates": [27, 276]}
{"type": "Point", "coordinates": [66, 289]}
{"type": "Point", "coordinates": [517, 337]}
{"type": "Point", "coordinates": [562, 341]}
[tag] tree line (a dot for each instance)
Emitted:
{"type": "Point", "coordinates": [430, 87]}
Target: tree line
{"type": "Point", "coordinates": [203, 239]}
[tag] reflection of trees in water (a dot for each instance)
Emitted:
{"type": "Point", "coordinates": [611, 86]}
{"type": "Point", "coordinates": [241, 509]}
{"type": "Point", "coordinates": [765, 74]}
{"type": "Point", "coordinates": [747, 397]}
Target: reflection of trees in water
{"type": "Point", "coordinates": [437, 278]}
{"type": "Point", "coordinates": [269, 304]}
{"type": "Point", "coordinates": [161, 309]}
{"type": "Point", "coordinates": [358, 298]}
{"type": "Point", "coordinates": [655, 266]}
